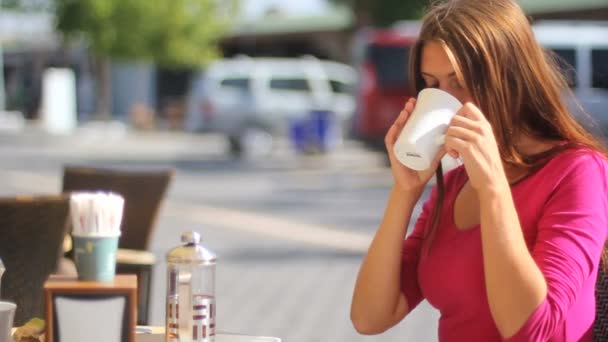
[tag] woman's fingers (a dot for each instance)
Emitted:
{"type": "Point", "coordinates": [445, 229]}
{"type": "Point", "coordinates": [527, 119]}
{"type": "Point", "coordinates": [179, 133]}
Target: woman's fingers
{"type": "Point", "coordinates": [410, 104]}
{"type": "Point", "coordinates": [395, 129]}
{"type": "Point", "coordinates": [460, 140]}
{"type": "Point", "coordinates": [453, 154]}
{"type": "Point", "coordinates": [464, 122]}
{"type": "Point", "coordinates": [391, 136]}
{"type": "Point", "coordinates": [405, 113]}
{"type": "Point", "coordinates": [456, 147]}
{"type": "Point", "coordinates": [462, 133]}
{"type": "Point", "coordinates": [471, 111]}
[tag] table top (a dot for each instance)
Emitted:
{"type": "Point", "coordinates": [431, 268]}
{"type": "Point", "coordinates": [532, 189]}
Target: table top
{"type": "Point", "coordinates": [218, 338]}
{"type": "Point", "coordinates": [157, 334]}
{"type": "Point", "coordinates": [65, 283]}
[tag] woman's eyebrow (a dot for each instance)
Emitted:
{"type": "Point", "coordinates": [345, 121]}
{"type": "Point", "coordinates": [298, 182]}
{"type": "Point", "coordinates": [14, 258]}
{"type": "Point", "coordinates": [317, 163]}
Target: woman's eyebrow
{"type": "Point", "coordinates": [452, 74]}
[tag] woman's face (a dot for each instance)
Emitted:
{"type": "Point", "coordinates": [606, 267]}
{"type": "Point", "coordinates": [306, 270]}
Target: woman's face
{"type": "Point", "coordinates": [438, 72]}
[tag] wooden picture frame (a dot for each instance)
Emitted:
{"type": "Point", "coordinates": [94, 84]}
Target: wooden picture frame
{"type": "Point", "coordinates": [83, 310]}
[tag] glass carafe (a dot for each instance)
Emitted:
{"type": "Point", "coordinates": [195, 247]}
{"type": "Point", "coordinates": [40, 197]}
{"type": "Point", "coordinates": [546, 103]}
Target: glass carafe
{"type": "Point", "coordinates": [2, 269]}
{"type": "Point", "coordinates": [190, 315]}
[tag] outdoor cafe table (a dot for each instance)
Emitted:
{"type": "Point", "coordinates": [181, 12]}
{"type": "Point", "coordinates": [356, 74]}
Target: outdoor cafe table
{"type": "Point", "coordinates": [157, 334]}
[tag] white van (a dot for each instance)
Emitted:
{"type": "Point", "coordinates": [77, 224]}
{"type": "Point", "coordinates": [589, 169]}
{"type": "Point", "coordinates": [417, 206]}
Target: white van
{"type": "Point", "coordinates": [583, 47]}
{"type": "Point", "coordinates": [253, 100]}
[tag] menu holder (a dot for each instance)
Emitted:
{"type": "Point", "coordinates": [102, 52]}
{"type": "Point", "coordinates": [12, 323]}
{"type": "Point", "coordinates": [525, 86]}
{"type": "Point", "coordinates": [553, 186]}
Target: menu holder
{"type": "Point", "coordinates": [78, 311]}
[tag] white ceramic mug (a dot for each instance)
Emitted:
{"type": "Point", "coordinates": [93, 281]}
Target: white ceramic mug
{"type": "Point", "coordinates": [424, 132]}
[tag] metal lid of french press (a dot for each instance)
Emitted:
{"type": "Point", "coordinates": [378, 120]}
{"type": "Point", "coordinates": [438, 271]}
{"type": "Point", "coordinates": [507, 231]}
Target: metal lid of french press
{"type": "Point", "coordinates": [191, 251]}
{"type": "Point", "coordinates": [191, 238]}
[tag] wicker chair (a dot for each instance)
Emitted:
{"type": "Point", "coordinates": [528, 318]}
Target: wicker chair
{"type": "Point", "coordinates": [143, 191]}
{"type": "Point", "coordinates": [32, 230]}
{"type": "Point", "coordinates": [601, 293]}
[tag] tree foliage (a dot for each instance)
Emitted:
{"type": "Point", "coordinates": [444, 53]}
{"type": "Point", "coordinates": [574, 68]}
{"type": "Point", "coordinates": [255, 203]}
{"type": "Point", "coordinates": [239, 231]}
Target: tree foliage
{"type": "Point", "coordinates": [167, 32]}
{"type": "Point", "coordinates": [386, 12]}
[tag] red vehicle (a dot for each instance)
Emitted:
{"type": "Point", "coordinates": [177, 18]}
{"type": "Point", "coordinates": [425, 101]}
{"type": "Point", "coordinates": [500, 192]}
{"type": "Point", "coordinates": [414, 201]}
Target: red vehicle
{"type": "Point", "coordinates": [384, 80]}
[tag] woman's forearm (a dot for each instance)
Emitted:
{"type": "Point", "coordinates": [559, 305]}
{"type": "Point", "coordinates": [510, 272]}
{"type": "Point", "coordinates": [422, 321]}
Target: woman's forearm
{"type": "Point", "coordinates": [515, 284]}
{"type": "Point", "coordinates": [376, 299]}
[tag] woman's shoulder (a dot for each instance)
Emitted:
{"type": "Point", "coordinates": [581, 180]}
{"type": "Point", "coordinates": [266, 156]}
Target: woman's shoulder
{"type": "Point", "coordinates": [576, 162]}
{"type": "Point", "coordinates": [577, 157]}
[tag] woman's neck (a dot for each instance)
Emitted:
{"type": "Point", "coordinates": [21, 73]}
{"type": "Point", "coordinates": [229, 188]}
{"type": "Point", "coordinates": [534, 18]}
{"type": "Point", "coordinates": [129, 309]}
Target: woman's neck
{"type": "Point", "coordinates": [528, 146]}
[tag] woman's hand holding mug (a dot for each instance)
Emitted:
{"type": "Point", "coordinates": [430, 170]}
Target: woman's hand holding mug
{"type": "Point", "coordinates": [471, 138]}
{"type": "Point", "coordinates": [406, 178]}
{"type": "Point", "coordinates": [416, 139]}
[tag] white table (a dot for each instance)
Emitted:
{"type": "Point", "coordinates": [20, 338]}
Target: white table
{"type": "Point", "coordinates": [157, 334]}
{"type": "Point", "coordinates": [218, 338]}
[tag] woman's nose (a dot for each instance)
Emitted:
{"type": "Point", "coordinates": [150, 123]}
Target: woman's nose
{"type": "Point", "coordinates": [447, 89]}
{"type": "Point", "coordinates": [450, 90]}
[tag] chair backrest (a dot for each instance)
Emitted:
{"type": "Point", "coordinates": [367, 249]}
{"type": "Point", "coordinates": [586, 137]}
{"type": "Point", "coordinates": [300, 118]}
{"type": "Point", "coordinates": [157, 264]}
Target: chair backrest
{"type": "Point", "coordinates": [143, 191]}
{"type": "Point", "coordinates": [601, 300]}
{"type": "Point", "coordinates": [32, 231]}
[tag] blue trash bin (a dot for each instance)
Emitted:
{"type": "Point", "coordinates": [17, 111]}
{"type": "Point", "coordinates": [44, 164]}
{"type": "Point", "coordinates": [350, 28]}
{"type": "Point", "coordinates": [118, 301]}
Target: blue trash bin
{"type": "Point", "coordinates": [323, 128]}
{"type": "Point", "coordinates": [299, 135]}
{"type": "Point", "coordinates": [313, 133]}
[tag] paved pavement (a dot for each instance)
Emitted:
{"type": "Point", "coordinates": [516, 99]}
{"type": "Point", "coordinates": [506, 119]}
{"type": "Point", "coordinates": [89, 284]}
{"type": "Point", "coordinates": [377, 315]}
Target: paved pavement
{"type": "Point", "coordinates": [290, 231]}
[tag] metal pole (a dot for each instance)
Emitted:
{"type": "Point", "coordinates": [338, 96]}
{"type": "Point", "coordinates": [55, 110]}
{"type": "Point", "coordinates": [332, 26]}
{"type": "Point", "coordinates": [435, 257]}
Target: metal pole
{"type": "Point", "coordinates": [2, 90]}
{"type": "Point", "coordinates": [2, 94]}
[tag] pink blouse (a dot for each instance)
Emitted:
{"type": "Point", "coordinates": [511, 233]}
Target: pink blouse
{"type": "Point", "coordinates": [563, 212]}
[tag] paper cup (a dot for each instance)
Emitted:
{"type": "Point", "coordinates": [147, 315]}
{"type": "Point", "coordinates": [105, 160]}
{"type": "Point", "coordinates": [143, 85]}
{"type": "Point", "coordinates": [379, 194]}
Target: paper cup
{"type": "Point", "coordinates": [424, 132]}
{"type": "Point", "coordinates": [95, 257]}
{"type": "Point", "coordinates": [7, 314]}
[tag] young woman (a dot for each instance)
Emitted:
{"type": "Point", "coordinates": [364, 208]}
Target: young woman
{"type": "Point", "coordinates": [508, 245]}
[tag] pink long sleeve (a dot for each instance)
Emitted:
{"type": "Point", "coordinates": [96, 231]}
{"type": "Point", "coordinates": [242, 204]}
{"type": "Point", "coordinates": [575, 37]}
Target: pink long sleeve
{"type": "Point", "coordinates": [571, 235]}
{"type": "Point", "coordinates": [563, 213]}
{"type": "Point", "coordinates": [412, 246]}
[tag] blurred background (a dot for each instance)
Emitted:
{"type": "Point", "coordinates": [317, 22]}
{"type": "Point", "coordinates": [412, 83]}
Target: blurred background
{"type": "Point", "coordinates": [273, 115]}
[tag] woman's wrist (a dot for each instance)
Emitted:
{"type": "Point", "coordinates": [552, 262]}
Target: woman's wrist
{"type": "Point", "coordinates": [412, 194]}
{"type": "Point", "coordinates": [493, 190]}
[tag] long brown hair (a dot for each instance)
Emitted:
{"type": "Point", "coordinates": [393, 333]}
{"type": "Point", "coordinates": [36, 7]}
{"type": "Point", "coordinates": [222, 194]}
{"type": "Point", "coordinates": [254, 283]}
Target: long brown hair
{"type": "Point", "coordinates": [515, 83]}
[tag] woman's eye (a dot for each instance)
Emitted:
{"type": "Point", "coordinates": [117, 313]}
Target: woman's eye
{"type": "Point", "coordinates": [455, 84]}
{"type": "Point", "coordinates": [429, 82]}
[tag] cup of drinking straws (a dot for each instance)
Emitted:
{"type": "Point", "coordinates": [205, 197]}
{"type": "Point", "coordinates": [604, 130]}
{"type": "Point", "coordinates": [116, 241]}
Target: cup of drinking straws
{"type": "Point", "coordinates": [96, 219]}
